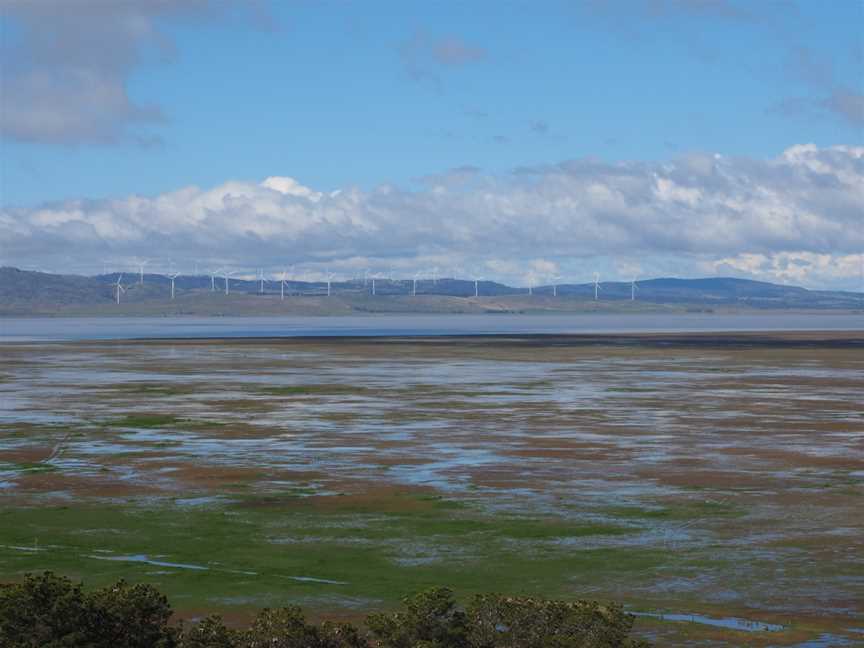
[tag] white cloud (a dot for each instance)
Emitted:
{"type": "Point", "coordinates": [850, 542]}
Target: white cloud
{"type": "Point", "coordinates": [797, 217]}
{"type": "Point", "coordinates": [67, 66]}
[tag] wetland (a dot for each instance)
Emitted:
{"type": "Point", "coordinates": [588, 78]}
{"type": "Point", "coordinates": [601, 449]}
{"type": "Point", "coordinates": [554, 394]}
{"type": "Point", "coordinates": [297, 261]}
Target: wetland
{"type": "Point", "coordinates": [711, 483]}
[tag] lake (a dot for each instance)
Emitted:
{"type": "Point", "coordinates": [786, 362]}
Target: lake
{"type": "Point", "coordinates": [95, 328]}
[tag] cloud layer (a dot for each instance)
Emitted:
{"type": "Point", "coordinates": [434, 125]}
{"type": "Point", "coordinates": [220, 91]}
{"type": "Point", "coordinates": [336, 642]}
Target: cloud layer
{"type": "Point", "coordinates": [797, 217]}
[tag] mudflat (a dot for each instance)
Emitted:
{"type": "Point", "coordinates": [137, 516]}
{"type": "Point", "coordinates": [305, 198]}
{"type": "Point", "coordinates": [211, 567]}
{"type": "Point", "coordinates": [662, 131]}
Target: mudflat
{"type": "Point", "coordinates": [711, 482]}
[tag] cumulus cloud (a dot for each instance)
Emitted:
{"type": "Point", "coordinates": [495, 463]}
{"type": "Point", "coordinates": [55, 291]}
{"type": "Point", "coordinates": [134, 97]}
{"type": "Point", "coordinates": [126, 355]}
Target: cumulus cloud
{"type": "Point", "coordinates": [797, 216]}
{"type": "Point", "coordinates": [67, 66]}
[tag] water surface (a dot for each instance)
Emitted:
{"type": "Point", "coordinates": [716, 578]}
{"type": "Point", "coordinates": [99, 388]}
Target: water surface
{"type": "Point", "coordinates": [94, 328]}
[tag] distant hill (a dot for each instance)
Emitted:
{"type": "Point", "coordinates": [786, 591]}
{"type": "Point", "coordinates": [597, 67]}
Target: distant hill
{"type": "Point", "coordinates": [26, 293]}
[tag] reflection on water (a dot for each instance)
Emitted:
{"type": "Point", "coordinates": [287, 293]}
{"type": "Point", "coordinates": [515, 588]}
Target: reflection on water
{"type": "Point", "coordinates": [727, 622]}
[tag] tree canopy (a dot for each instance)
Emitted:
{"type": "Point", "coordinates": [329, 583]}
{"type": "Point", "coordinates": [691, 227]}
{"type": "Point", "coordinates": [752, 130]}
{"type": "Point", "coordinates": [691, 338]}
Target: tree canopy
{"type": "Point", "coordinates": [50, 611]}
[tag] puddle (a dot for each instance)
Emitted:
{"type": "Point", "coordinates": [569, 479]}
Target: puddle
{"type": "Point", "coordinates": [309, 579]}
{"type": "Point", "coordinates": [732, 623]}
{"type": "Point", "coordinates": [143, 558]}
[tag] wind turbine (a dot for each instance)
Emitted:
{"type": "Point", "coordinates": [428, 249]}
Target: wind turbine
{"type": "Point", "coordinates": [172, 277]}
{"type": "Point", "coordinates": [477, 281]}
{"type": "Point", "coordinates": [119, 287]}
{"type": "Point", "coordinates": [213, 274]}
{"type": "Point", "coordinates": [414, 285]}
{"type": "Point", "coordinates": [330, 276]}
{"type": "Point", "coordinates": [282, 283]}
{"type": "Point", "coordinates": [261, 280]}
{"type": "Point", "coordinates": [555, 279]}
{"type": "Point", "coordinates": [596, 286]}
{"type": "Point", "coordinates": [633, 289]}
{"type": "Point", "coordinates": [141, 264]}
{"type": "Point", "coordinates": [227, 274]}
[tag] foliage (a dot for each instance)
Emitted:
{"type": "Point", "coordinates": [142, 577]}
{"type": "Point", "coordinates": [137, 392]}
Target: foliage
{"type": "Point", "coordinates": [526, 622]}
{"type": "Point", "coordinates": [48, 611]}
{"type": "Point", "coordinates": [43, 612]}
{"type": "Point", "coordinates": [429, 620]}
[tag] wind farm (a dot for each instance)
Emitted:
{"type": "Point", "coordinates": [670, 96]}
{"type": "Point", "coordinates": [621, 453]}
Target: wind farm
{"type": "Point", "coordinates": [292, 291]}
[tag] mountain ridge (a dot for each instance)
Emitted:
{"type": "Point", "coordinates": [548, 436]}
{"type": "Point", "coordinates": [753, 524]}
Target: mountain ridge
{"type": "Point", "coordinates": [25, 292]}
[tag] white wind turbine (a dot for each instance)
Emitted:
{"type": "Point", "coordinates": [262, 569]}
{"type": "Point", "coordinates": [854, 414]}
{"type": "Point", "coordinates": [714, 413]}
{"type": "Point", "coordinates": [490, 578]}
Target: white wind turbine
{"type": "Point", "coordinates": [227, 275]}
{"type": "Point", "coordinates": [172, 277]}
{"type": "Point", "coordinates": [330, 276]}
{"type": "Point", "coordinates": [282, 282]}
{"type": "Point", "coordinates": [555, 279]}
{"type": "Point", "coordinates": [141, 264]}
{"type": "Point", "coordinates": [633, 289]}
{"type": "Point", "coordinates": [261, 281]}
{"type": "Point", "coordinates": [596, 286]}
{"type": "Point", "coordinates": [119, 287]}
{"type": "Point", "coordinates": [213, 273]}
{"type": "Point", "coordinates": [477, 281]}
{"type": "Point", "coordinates": [414, 284]}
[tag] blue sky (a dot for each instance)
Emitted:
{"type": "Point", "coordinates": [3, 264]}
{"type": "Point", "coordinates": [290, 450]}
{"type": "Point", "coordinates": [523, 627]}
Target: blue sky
{"type": "Point", "coordinates": [359, 95]}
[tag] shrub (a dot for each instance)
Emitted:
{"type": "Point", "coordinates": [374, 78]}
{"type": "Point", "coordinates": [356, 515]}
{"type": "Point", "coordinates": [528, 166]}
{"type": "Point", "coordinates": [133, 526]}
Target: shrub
{"type": "Point", "coordinates": [429, 620]}
{"type": "Point", "coordinates": [44, 611]}
{"type": "Point", "coordinates": [48, 611]}
{"type": "Point", "coordinates": [497, 621]}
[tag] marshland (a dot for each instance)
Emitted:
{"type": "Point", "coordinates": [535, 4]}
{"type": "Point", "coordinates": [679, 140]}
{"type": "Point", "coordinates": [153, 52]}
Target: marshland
{"type": "Point", "coordinates": [712, 483]}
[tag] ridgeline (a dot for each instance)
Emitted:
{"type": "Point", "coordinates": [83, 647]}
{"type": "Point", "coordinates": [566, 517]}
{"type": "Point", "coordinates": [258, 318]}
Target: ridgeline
{"type": "Point", "coordinates": [27, 293]}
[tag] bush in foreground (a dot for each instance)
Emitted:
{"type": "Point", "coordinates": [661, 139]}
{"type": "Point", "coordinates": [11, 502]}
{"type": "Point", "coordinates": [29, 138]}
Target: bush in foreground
{"type": "Point", "coordinates": [48, 611]}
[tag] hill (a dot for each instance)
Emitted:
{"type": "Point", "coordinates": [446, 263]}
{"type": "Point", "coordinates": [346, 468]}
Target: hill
{"type": "Point", "coordinates": [37, 293]}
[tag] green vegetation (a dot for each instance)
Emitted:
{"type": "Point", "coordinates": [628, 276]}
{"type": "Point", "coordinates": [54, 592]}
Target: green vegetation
{"type": "Point", "coordinates": [47, 611]}
{"type": "Point", "coordinates": [261, 549]}
{"type": "Point", "coordinates": [28, 466]}
{"type": "Point", "coordinates": [684, 511]}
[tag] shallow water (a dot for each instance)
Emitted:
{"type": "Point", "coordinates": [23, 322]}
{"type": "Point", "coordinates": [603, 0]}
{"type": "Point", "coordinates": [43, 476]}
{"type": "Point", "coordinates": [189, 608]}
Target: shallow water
{"type": "Point", "coordinates": [744, 462]}
{"type": "Point", "coordinates": [734, 623]}
{"type": "Point", "coordinates": [14, 329]}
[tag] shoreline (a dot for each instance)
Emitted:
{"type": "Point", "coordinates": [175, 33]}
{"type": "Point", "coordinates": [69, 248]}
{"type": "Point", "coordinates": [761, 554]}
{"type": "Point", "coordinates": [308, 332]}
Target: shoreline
{"type": "Point", "coordinates": [853, 338]}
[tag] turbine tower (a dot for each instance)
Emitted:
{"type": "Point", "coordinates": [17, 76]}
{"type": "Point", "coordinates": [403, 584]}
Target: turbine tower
{"type": "Point", "coordinates": [282, 283]}
{"type": "Point", "coordinates": [172, 277]}
{"type": "Point", "coordinates": [330, 276]}
{"type": "Point", "coordinates": [141, 264]}
{"type": "Point", "coordinates": [633, 289]}
{"type": "Point", "coordinates": [477, 286]}
{"type": "Point", "coordinates": [213, 274]}
{"type": "Point", "coordinates": [596, 286]}
{"type": "Point", "coordinates": [119, 287]}
{"type": "Point", "coordinates": [227, 274]}
{"type": "Point", "coordinates": [261, 280]}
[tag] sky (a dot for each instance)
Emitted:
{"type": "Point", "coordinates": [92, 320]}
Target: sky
{"type": "Point", "coordinates": [526, 142]}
